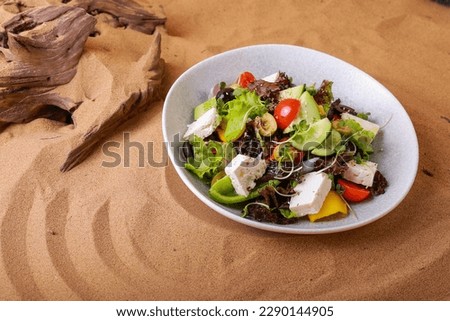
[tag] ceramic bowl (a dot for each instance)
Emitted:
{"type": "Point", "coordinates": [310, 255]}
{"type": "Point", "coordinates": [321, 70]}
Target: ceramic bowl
{"type": "Point", "coordinates": [396, 145]}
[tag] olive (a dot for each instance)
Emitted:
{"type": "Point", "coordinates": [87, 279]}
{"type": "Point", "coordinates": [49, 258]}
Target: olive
{"type": "Point", "coordinates": [249, 146]}
{"type": "Point", "coordinates": [225, 94]}
{"type": "Point", "coordinates": [266, 125]}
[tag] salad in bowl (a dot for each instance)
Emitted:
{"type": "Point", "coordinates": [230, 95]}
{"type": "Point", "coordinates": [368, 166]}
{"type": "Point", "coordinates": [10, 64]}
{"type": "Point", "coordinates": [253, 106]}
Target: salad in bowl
{"type": "Point", "coordinates": [282, 151]}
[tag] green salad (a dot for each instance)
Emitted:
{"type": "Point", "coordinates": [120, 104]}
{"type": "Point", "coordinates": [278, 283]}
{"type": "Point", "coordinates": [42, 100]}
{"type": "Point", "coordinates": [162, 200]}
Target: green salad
{"type": "Point", "coordinates": [282, 151]}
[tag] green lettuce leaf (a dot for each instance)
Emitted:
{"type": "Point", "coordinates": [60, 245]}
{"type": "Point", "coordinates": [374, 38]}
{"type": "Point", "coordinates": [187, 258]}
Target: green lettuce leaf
{"type": "Point", "coordinates": [209, 157]}
{"type": "Point", "coordinates": [360, 137]}
{"type": "Point", "coordinates": [287, 213]}
{"type": "Point", "coordinates": [236, 112]}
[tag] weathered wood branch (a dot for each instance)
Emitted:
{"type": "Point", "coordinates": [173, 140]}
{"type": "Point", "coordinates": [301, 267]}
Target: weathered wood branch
{"type": "Point", "coordinates": [46, 62]}
{"type": "Point", "coordinates": [127, 13]}
{"type": "Point", "coordinates": [42, 46]}
{"type": "Point", "coordinates": [136, 102]}
{"type": "Point", "coordinates": [41, 49]}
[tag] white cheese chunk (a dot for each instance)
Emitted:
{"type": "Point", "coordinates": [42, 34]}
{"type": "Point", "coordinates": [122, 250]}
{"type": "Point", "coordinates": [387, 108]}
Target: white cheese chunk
{"type": "Point", "coordinates": [365, 124]}
{"type": "Point", "coordinates": [244, 171]}
{"type": "Point", "coordinates": [311, 194]}
{"type": "Point", "coordinates": [361, 173]}
{"type": "Point", "coordinates": [272, 77]}
{"type": "Point", "coordinates": [205, 125]}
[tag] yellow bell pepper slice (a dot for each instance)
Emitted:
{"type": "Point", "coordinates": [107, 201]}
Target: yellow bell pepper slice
{"type": "Point", "coordinates": [333, 204]}
{"type": "Point", "coordinates": [221, 133]}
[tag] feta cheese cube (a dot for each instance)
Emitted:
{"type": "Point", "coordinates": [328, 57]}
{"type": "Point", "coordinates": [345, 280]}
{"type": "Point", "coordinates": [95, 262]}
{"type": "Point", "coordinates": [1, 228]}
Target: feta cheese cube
{"type": "Point", "coordinates": [244, 171]}
{"type": "Point", "coordinates": [311, 194]}
{"type": "Point", "coordinates": [205, 125]}
{"type": "Point", "coordinates": [365, 124]}
{"type": "Point", "coordinates": [361, 173]}
{"type": "Point", "coordinates": [272, 77]}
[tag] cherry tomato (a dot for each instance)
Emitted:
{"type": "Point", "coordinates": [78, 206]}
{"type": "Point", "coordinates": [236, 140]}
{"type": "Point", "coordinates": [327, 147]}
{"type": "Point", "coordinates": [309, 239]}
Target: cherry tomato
{"type": "Point", "coordinates": [245, 78]}
{"type": "Point", "coordinates": [353, 192]}
{"type": "Point", "coordinates": [286, 111]}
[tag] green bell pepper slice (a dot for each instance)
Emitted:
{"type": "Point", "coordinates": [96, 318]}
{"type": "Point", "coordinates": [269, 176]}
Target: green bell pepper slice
{"type": "Point", "coordinates": [223, 191]}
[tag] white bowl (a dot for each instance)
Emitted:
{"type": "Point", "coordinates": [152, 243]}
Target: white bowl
{"type": "Point", "coordinates": [398, 156]}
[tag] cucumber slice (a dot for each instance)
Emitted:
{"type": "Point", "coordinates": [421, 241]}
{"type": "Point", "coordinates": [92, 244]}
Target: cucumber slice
{"type": "Point", "coordinates": [309, 108]}
{"type": "Point", "coordinates": [313, 137]}
{"type": "Point", "coordinates": [328, 147]}
{"type": "Point", "coordinates": [309, 111]}
{"type": "Point", "coordinates": [204, 107]}
{"type": "Point", "coordinates": [294, 92]}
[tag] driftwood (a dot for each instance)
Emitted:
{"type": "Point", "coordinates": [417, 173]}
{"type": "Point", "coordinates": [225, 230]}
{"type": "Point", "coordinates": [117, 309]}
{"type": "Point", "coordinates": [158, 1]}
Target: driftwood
{"type": "Point", "coordinates": [126, 13]}
{"type": "Point", "coordinates": [41, 49]}
{"type": "Point", "coordinates": [119, 111]}
{"type": "Point", "coordinates": [44, 47]}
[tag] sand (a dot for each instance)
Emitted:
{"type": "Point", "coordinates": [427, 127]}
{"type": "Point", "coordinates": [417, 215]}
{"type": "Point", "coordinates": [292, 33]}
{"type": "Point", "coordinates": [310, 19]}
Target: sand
{"type": "Point", "coordinates": [137, 233]}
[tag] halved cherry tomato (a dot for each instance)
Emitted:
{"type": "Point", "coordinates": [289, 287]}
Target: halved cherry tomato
{"type": "Point", "coordinates": [353, 192]}
{"type": "Point", "coordinates": [286, 111]}
{"type": "Point", "coordinates": [245, 78]}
